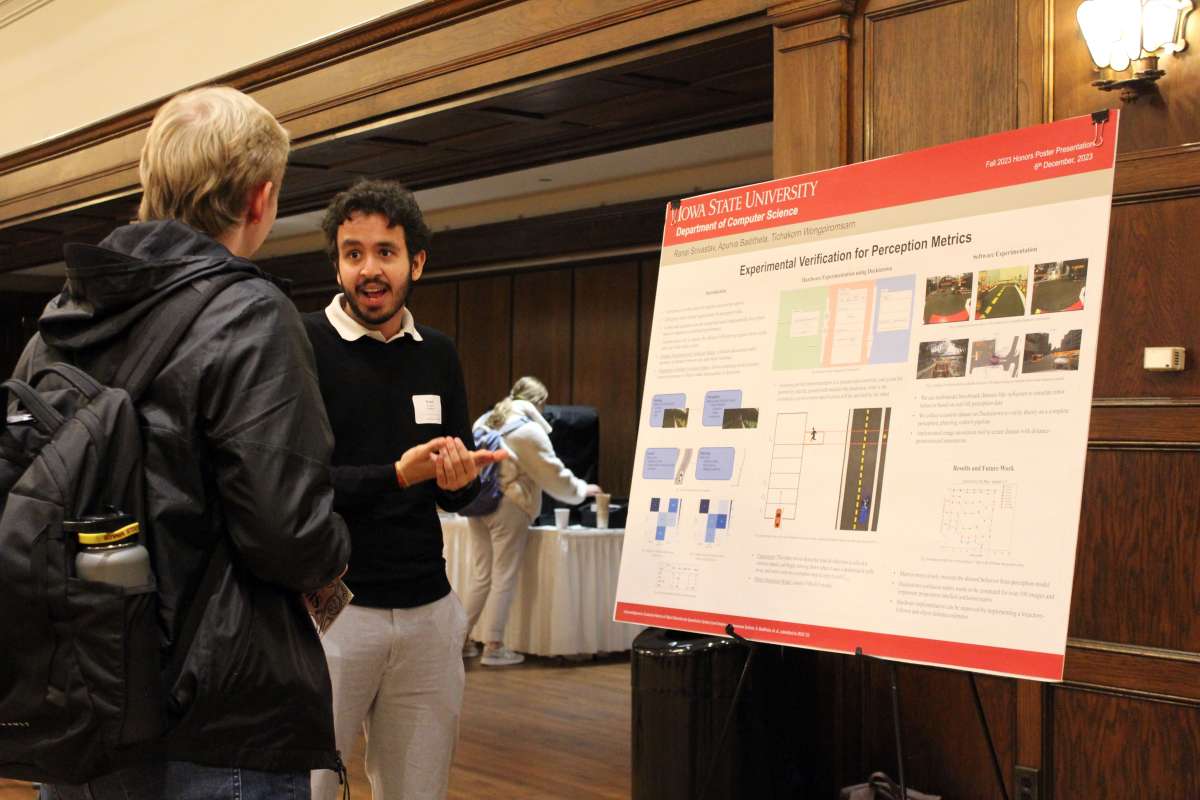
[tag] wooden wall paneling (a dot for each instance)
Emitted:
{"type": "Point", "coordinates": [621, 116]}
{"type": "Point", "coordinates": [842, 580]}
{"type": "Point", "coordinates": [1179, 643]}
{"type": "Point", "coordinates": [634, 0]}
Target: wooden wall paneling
{"type": "Point", "coordinates": [649, 290]}
{"type": "Point", "coordinates": [1035, 58]}
{"type": "Point", "coordinates": [1163, 171]}
{"type": "Point", "coordinates": [606, 358]}
{"type": "Point", "coordinates": [1164, 423]}
{"type": "Point", "coordinates": [812, 103]}
{"type": "Point", "coordinates": [1167, 117]}
{"type": "Point", "coordinates": [945, 751]}
{"type": "Point", "coordinates": [1166, 674]}
{"type": "Point", "coordinates": [1029, 724]}
{"type": "Point", "coordinates": [937, 71]}
{"type": "Point", "coordinates": [1149, 289]}
{"type": "Point", "coordinates": [485, 340]}
{"type": "Point", "coordinates": [436, 305]}
{"type": "Point", "coordinates": [1105, 745]}
{"type": "Point", "coordinates": [542, 330]}
{"type": "Point", "coordinates": [1135, 569]}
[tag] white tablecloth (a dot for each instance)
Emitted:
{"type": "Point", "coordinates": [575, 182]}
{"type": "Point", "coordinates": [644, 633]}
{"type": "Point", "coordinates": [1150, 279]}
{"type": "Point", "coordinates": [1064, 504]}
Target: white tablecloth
{"type": "Point", "coordinates": [566, 592]}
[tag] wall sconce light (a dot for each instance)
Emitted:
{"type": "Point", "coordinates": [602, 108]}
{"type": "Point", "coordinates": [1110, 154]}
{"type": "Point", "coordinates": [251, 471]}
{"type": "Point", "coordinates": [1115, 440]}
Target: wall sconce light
{"type": "Point", "coordinates": [1132, 33]}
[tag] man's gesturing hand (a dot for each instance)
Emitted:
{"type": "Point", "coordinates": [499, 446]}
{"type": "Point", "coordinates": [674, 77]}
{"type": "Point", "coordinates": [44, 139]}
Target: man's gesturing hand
{"type": "Point", "coordinates": [445, 458]}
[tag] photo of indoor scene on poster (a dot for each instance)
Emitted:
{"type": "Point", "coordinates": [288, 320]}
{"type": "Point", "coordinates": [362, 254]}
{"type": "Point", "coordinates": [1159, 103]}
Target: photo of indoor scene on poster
{"type": "Point", "coordinates": [948, 298]}
{"type": "Point", "coordinates": [1059, 286]}
{"type": "Point", "coordinates": [1054, 350]}
{"type": "Point", "coordinates": [996, 358]}
{"type": "Point", "coordinates": [1001, 293]}
{"type": "Point", "coordinates": [944, 359]}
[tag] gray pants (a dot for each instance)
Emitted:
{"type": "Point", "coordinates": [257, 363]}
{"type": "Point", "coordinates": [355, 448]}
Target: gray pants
{"type": "Point", "coordinates": [397, 677]}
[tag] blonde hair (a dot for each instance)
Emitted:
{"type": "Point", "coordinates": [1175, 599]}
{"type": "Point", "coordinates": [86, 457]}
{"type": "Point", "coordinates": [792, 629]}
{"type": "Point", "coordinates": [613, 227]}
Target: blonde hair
{"type": "Point", "coordinates": [527, 388]}
{"type": "Point", "coordinates": [206, 150]}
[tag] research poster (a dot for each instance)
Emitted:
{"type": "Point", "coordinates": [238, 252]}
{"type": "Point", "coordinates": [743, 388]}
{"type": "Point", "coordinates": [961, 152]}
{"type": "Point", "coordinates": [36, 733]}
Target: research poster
{"type": "Point", "coordinates": [867, 401]}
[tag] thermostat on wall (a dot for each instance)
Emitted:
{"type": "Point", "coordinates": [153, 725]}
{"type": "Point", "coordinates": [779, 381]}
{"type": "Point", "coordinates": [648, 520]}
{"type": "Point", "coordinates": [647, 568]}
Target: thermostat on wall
{"type": "Point", "coordinates": [1164, 359]}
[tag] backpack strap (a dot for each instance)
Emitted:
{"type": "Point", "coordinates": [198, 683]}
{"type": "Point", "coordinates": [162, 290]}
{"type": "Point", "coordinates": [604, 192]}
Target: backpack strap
{"type": "Point", "coordinates": [73, 375]}
{"type": "Point", "coordinates": [43, 413]}
{"type": "Point", "coordinates": [512, 426]}
{"type": "Point", "coordinates": [139, 369]}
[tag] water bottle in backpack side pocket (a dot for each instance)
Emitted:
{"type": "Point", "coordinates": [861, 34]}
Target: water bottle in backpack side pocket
{"type": "Point", "coordinates": [109, 551]}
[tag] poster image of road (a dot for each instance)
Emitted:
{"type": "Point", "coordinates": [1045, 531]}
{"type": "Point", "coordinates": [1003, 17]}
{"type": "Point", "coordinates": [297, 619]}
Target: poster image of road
{"type": "Point", "coordinates": [674, 418]}
{"type": "Point", "coordinates": [946, 358]}
{"type": "Point", "coordinates": [862, 477]}
{"type": "Point", "coordinates": [996, 358]}
{"type": "Point", "coordinates": [1054, 350]}
{"type": "Point", "coordinates": [948, 298]}
{"type": "Point", "coordinates": [744, 418]}
{"type": "Point", "coordinates": [1001, 293]}
{"type": "Point", "coordinates": [1059, 286]}
{"type": "Point", "coordinates": [848, 324]}
{"type": "Point", "coordinates": [977, 517]}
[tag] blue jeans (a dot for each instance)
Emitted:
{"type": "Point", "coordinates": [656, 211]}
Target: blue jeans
{"type": "Point", "coordinates": [181, 780]}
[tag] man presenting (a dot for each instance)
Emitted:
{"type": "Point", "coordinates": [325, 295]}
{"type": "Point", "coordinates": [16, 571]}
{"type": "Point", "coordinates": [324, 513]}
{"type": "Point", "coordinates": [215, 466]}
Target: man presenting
{"type": "Point", "coordinates": [395, 655]}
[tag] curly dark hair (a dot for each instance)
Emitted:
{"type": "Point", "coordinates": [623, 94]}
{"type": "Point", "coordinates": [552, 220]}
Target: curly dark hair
{"type": "Point", "coordinates": [388, 198]}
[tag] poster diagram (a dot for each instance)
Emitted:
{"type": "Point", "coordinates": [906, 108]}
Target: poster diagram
{"type": "Point", "coordinates": [664, 515]}
{"type": "Point", "coordinates": [715, 517]}
{"type": "Point", "coordinates": [845, 324]}
{"type": "Point", "coordinates": [977, 517]}
{"type": "Point", "coordinates": [859, 445]}
{"type": "Point", "coordinates": [867, 399]}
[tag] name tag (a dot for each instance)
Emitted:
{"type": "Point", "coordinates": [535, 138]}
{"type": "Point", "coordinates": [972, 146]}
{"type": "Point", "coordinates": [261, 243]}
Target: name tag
{"type": "Point", "coordinates": [427, 409]}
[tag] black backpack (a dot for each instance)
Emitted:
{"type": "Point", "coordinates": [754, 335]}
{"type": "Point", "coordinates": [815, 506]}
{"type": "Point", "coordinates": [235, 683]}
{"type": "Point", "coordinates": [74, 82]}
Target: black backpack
{"type": "Point", "coordinates": [490, 490]}
{"type": "Point", "coordinates": [81, 681]}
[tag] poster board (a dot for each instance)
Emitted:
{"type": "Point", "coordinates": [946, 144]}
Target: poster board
{"type": "Point", "coordinates": [867, 402]}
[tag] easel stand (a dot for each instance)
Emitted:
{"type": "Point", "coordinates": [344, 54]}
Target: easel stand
{"type": "Point", "coordinates": [733, 705]}
{"type": "Point", "coordinates": [862, 683]}
{"type": "Point", "coordinates": [896, 726]}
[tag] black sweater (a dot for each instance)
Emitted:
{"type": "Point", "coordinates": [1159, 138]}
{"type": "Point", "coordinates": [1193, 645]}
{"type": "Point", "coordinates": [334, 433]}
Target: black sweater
{"type": "Point", "coordinates": [396, 539]}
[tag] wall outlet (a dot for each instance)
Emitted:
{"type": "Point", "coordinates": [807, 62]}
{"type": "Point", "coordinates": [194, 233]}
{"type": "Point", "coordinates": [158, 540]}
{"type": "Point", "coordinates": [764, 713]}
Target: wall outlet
{"type": "Point", "coordinates": [1164, 359]}
{"type": "Point", "coordinates": [1026, 780]}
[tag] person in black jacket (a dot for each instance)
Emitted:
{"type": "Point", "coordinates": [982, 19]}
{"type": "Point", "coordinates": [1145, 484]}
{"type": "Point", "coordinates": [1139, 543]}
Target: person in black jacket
{"type": "Point", "coordinates": [237, 458]}
{"type": "Point", "coordinates": [389, 383]}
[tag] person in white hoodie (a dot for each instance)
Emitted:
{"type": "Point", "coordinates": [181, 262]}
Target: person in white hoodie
{"type": "Point", "coordinates": [498, 539]}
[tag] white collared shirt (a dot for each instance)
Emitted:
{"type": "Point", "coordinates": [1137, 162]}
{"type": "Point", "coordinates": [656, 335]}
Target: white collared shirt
{"type": "Point", "coordinates": [351, 329]}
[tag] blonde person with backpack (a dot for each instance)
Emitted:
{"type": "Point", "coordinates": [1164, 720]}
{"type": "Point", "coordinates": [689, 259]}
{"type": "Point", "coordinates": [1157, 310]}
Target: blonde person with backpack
{"type": "Point", "coordinates": [498, 538]}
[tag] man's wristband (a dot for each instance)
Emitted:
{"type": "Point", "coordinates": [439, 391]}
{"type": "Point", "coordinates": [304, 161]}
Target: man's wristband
{"type": "Point", "coordinates": [400, 479]}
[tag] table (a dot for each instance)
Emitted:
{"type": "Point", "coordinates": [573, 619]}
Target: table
{"type": "Point", "coordinates": [563, 604]}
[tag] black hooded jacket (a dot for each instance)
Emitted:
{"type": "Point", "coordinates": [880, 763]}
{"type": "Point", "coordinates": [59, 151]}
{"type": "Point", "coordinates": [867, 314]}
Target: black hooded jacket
{"type": "Point", "coordinates": [237, 450]}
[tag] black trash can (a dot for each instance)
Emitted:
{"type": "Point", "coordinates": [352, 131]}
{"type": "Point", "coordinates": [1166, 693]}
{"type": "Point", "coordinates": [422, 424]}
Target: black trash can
{"type": "Point", "coordinates": [683, 685]}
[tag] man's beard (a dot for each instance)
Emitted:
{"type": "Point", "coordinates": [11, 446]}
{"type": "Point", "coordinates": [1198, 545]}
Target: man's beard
{"type": "Point", "coordinates": [383, 315]}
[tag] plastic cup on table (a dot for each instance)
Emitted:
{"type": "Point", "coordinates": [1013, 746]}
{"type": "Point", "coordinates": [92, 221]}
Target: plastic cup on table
{"type": "Point", "coordinates": [562, 517]}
